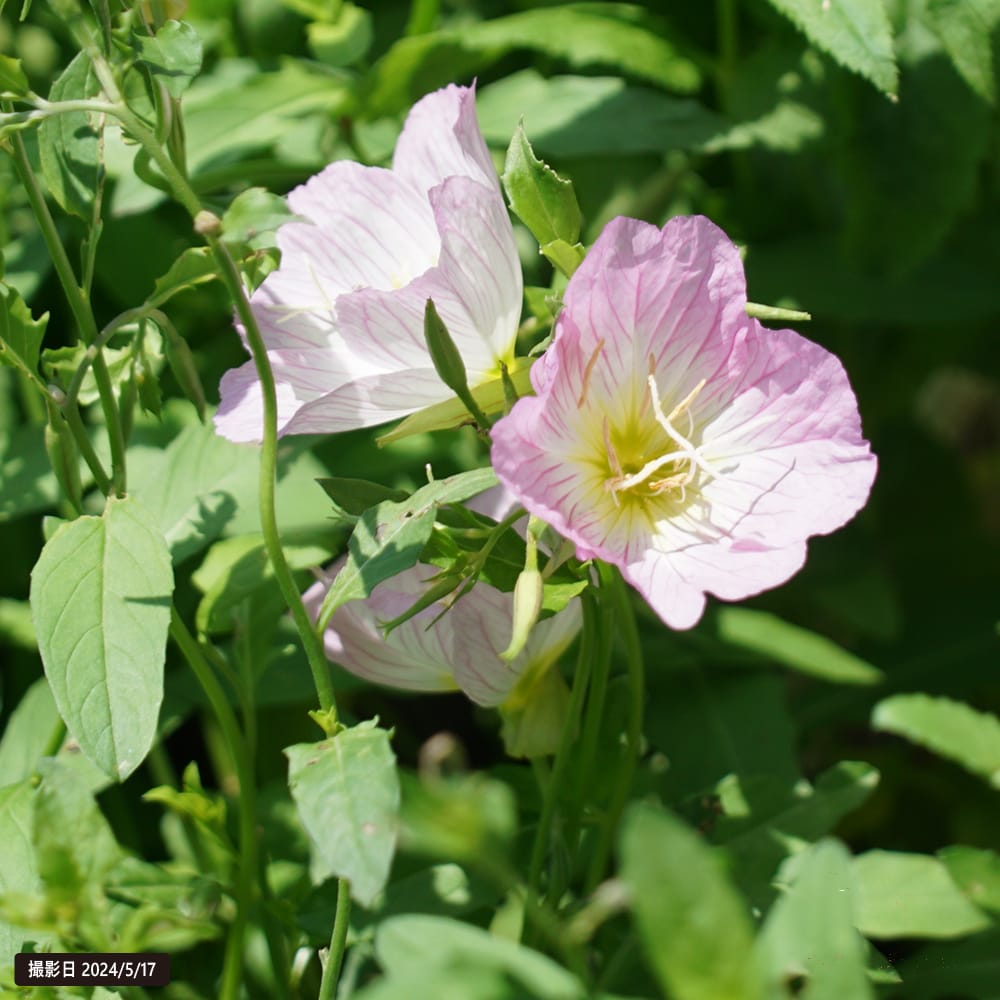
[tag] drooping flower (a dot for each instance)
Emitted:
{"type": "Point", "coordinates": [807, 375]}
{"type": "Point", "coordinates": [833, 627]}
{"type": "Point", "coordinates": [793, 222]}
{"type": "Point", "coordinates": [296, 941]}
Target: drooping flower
{"type": "Point", "coordinates": [343, 315]}
{"type": "Point", "coordinates": [676, 437]}
{"type": "Point", "coordinates": [458, 652]}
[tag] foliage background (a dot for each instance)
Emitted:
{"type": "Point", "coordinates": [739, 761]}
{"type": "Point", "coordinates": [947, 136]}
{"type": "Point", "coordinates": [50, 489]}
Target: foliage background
{"type": "Point", "coordinates": [870, 201]}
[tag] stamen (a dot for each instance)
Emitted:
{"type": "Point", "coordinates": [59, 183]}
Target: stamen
{"type": "Point", "coordinates": [692, 453]}
{"type": "Point", "coordinates": [587, 371]}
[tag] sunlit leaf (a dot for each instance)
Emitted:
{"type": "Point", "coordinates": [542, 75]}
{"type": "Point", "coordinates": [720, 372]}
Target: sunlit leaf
{"type": "Point", "coordinates": [695, 928]}
{"type": "Point", "coordinates": [857, 33]}
{"type": "Point", "coordinates": [810, 929]}
{"type": "Point", "coordinates": [948, 728]}
{"type": "Point", "coordinates": [794, 647]}
{"type": "Point", "coordinates": [100, 598]}
{"type": "Point", "coordinates": [347, 793]}
{"type": "Point", "coordinates": [910, 895]}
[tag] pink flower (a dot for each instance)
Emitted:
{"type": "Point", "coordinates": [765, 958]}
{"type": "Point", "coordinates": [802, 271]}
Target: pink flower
{"type": "Point", "coordinates": [461, 651]}
{"type": "Point", "coordinates": [677, 438]}
{"type": "Point", "coordinates": [343, 315]}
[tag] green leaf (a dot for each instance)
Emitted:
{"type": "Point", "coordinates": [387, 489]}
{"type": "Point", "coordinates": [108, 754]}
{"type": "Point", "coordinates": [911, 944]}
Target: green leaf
{"type": "Point", "coordinates": [898, 216]}
{"type": "Point", "coordinates": [857, 33]}
{"type": "Point", "coordinates": [566, 257]}
{"type": "Point", "coordinates": [173, 55]}
{"type": "Point", "coordinates": [766, 819]}
{"type": "Point", "coordinates": [237, 568]}
{"type": "Point", "coordinates": [355, 496]}
{"type": "Point", "coordinates": [347, 793]}
{"type": "Point", "coordinates": [410, 947]}
{"type": "Point", "coordinates": [738, 722]}
{"type": "Point", "coordinates": [194, 267]}
{"type": "Point", "coordinates": [100, 597]}
{"type": "Point", "coordinates": [18, 864]}
{"type": "Point", "coordinates": [346, 40]}
{"type": "Point", "coordinates": [965, 28]}
{"type": "Point", "coordinates": [466, 817]}
{"type": "Point", "coordinates": [74, 843]}
{"type": "Point", "coordinates": [810, 930]}
{"type": "Point", "coordinates": [20, 334]}
{"type": "Point", "coordinates": [794, 647]}
{"type": "Point", "coordinates": [541, 199]}
{"type": "Point", "coordinates": [601, 116]}
{"type": "Point", "coordinates": [12, 78]}
{"type": "Point", "coordinates": [27, 484]}
{"type": "Point", "coordinates": [253, 216]}
{"type": "Point", "coordinates": [910, 895]}
{"type": "Point", "coordinates": [70, 144]}
{"type": "Point", "coordinates": [949, 728]}
{"type": "Point", "coordinates": [968, 968]}
{"type": "Point", "coordinates": [390, 537]}
{"type": "Point", "coordinates": [614, 35]}
{"type": "Point", "coordinates": [193, 487]}
{"type": "Point", "coordinates": [976, 872]}
{"type": "Point", "coordinates": [15, 627]}
{"type": "Point", "coordinates": [694, 926]}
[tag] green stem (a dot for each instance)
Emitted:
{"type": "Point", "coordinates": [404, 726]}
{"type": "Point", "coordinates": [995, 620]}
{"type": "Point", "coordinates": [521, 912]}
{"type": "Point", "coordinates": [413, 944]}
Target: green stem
{"type": "Point", "coordinates": [566, 739]}
{"type": "Point", "coordinates": [338, 941]}
{"type": "Point", "coordinates": [75, 424]}
{"type": "Point", "coordinates": [230, 275]}
{"type": "Point", "coordinates": [78, 304]}
{"type": "Point", "coordinates": [232, 972]}
{"type": "Point", "coordinates": [613, 583]}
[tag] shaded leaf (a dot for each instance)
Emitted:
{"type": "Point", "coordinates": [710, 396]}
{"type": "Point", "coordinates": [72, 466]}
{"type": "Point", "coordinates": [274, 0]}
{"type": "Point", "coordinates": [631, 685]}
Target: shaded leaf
{"type": "Point", "coordinates": [948, 728]}
{"type": "Point", "coordinates": [694, 926]}
{"type": "Point", "coordinates": [355, 496]}
{"type": "Point", "coordinates": [193, 487]}
{"type": "Point", "coordinates": [346, 790]}
{"type": "Point", "coordinates": [100, 598]}
{"type": "Point", "coordinates": [194, 266]}
{"type": "Point", "coordinates": [18, 866]}
{"type": "Point", "coordinates": [69, 144]}
{"type": "Point", "coordinates": [794, 647]}
{"type": "Point", "coordinates": [581, 35]}
{"type": "Point", "coordinates": [20, 333]}
{"type": "Point", "coordinates": [390, 537]}
{"type": "Point", "coordinates": [965, 27]}
{"type": "Point", "coordinates": [857, 33]}
{"type": "Point", "coordinates": [593, 116]}
{"type": "Point", "coordinates": [910, 895]}
{"type": "Point", "coordinates": [172, 55]}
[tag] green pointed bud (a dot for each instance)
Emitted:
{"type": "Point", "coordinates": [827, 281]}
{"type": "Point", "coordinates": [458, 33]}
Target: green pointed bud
{"type": "Point", "coordinates": [448, 362]}
{"type": "Point", "coordinates": [527, 605]}
{"type": "Point", "coordinates": [776, 314]}
{"type": "Point", "coordinates": [181, 361]}
{"type": "Point", "coordinates": [565, 257]}
{"type": "Point", "coordinates": [545, 202]}
{"type": "Point", "coordinates": [533, 721]}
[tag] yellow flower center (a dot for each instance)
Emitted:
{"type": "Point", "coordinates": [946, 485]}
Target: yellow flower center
{"type": "Point", "coordinates": [669, 472]}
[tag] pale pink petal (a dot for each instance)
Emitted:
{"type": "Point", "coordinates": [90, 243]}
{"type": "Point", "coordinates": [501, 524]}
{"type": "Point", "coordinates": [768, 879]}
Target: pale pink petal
{"type": "Point", "coordinates": [369, 401]}
{"type": "Point", "coordinates": [370, 229]}
{"type": "Point", "coordinates": [239, 416]}
{"type": "Point", "coordinates": [441, 139]}
{"type": "Point", "coordinates": [412, 657]}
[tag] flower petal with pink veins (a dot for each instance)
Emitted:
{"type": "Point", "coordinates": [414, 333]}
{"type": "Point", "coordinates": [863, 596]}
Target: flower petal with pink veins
{"type": "Point", "coordinates": [342, 317]}
{"type": "Point", "coordinates": [461, 651]}
{"type": "Point", "coordinates": [676, 437]}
